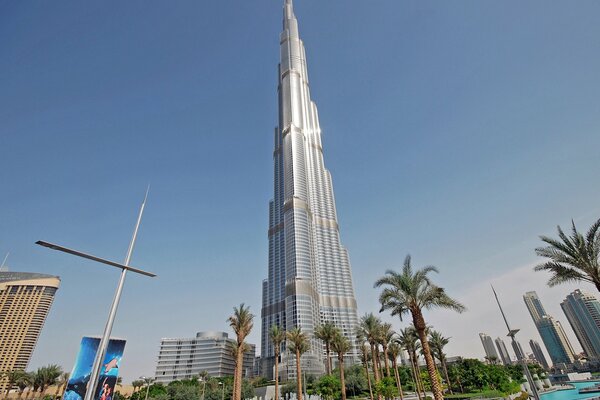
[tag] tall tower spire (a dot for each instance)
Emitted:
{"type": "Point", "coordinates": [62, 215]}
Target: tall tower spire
{"type": "Point", "coordinates": [309, 280]}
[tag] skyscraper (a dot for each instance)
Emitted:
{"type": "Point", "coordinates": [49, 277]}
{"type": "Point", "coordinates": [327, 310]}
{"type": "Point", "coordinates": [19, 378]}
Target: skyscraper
{"type": "Point", "coordinates": [309, 279]}
{"type": "Point", "coordinates": [25, 300]}
{"type": "Point", "coordinates": [538, 353]}
{"type": "Point", "coordinates": [503, 351]}
{"type": "Point", "coordinates": [488, 347]}
{"type": "Point", "coordinates": [551, 331]}
{"type": "Point", "coordinates": [583, 312]}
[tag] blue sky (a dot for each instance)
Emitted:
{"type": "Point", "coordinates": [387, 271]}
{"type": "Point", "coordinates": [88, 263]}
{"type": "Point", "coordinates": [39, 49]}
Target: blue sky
{"type": "Point", "coordinates": [457, 132]}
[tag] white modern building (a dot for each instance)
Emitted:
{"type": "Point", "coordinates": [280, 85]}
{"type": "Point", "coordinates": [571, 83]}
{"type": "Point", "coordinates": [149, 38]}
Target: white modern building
{"type": "Point", "coordinates": [185, 358]}
{"type": "Point", "coordinates": [503, 351]}
{"type": "Point", "coordinates": [488, 347]}
{"type": "Point", "coordinates": [309, 279]}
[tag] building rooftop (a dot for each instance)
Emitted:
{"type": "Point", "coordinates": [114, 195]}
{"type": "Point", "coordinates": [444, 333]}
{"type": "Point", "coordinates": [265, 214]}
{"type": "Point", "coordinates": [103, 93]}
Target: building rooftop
{"type": "Point", "coordinates": [23, 276]}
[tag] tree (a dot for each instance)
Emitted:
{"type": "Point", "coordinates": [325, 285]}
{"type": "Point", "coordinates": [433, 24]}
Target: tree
{"type": "Point", "coordinates": [572, 258]}
{"type": "Point", "coordinates": [385, 337]}
{"type": "Point", "coordinates": [298, 344]}
{"type": "Point", "coordinates": [369, 328]}
{"type": "Point", "coordinates": [341, 345]}
{"type": "Point", "coordinates": [137, 384]}
{"type": "Point", "coordinates": [49, 376]}
{"type": "Point", "coordinates": [410, 292]}
{"type": "Point", "coordinates": [394, 350]}
{"type": "Point", "coordinates": [438, 342]}
{"type": "Point", "coordinates": [326, 333]}
{"type": "Point", "coordinates": [408, 340]}
{"type": "Point", "coordinates": [23, 381]}
{"type": "Point", "coordinates": [364, 358]}
{"type": "Point", "coordinates": [277, 336]}
{"type": "Point", "coordinates": [11, 380]}
{"type": "Point", "coordinates": [328, 386]}
{"type": "Point", "coordinates": [241, 323]}
{"type": "Point", "coordinates": [63, 380]}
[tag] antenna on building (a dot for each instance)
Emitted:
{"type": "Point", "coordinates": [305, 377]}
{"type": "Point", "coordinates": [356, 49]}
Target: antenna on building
{"type": "Point", "coordinates": [3, 267]}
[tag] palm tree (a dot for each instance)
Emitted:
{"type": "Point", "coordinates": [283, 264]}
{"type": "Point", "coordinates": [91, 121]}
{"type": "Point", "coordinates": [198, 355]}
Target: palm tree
{"type": "Point", "coordinates": [63, 380]}
{"type": "Point", "coordinates": [394, 350]}
{"type": "Point", "coordinates": [369, 328]}
{"type": "Point", "coordinates": [410, 292]}
{"type": "Point", "coordinates": [11, 380]}
{"type": "Point", "coordinates": [326, 333]}
{"type": "Point", "coordinates": [23, 381]}
{"type": "Point", "coordinates": [277, 336]}
{"type": "Point", "coordinates": [385, 337]}
{"type": "Point", "coordinates": [408, 340]}
{"type": "Point", "coordinates": [572, 259]}
{"type": "Point", "coordinates": [341, 345]}
{"type": "Point", "coordinates": [438, 342]}
{"type": "Point", "coordinates": [241, 323]}
{"type": "Point", "coordinates": [298, 344]}
{"type": "Point", "coordinates": [49, 377]}
{"type": "Point", "coordinates": [136, 385]}
{"type": "Point", "coordinates": [364, 358]}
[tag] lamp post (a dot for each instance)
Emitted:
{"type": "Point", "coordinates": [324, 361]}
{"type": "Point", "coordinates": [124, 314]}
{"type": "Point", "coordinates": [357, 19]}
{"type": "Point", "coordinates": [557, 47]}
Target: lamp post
{"type": "Point", "coordinates": [203, 387]}
{"type": "Point", "coordinates": [520, 357]}
{"type": "Point", "coordinates": [222, 390]}
{"type": "Point", "coordinates": [148, 381]}
{"type": "Point", "coordinates": [92, 384]}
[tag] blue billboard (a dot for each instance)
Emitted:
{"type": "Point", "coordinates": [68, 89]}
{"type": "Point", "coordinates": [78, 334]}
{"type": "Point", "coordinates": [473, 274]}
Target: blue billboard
{"type": "Point", "coordinates": [80, 376]}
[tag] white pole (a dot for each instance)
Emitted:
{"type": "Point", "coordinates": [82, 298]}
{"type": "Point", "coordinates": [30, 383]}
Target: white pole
{"type": "Point", "coordinates": [96, 367]}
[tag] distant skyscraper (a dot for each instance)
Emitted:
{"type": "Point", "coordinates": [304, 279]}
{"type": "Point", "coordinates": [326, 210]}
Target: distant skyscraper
{"type": "Point", "coordinates": [503, 351]}
{"type": "Point", "coordinates": [538, 353]}
{"type": "Point", "coordinates": [583, 312]}
{"type": "Point", "coordinates": [550, 330]}
{"type": "Point", "coordinates": [518, 349]}
{"type": "Point", "coordinates": [185, 358]}
{"type": "Point", "coordinates": [309, 279]}
{"type": "Point", "coordinates": [488, 347]}
{"type": "Point", "coordinates": [534, 305]}
{"type": "Point", "coordinates": [25, 300]}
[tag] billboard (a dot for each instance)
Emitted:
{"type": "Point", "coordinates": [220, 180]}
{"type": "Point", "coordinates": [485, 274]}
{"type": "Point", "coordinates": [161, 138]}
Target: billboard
{"type": "Point", "coordinates": [77, 385]}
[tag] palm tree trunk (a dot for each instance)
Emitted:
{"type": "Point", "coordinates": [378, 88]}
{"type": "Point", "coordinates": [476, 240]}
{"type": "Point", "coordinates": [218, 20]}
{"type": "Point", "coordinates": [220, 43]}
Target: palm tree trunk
{"type": "Point", "coordinates": [298, 377]}
{"type": "Point", "coordinates": [386, 361]}
{"type": "Point", "coordinates": [375, 366]}
{"type": "Point", "coordinates": [379, 367]}
{"type": "Point", "coordinates": [415, 369]}
{"type": "Point", "coordinates": [342, 379]}
{"type": "Point", "coordinates": [445, 367]}
{"type": "Point", "coordinates": [240, 367]}
{"type": "Point", "coordinates": [328, 351]}
{"type": "Point", "coordinates": [276, 376]}
{"type": "Point", "coordinates": [368, 374]}
{"type": "Point", "coordinates": [421, 327]}
{"type": "Point", "coordinates": [397, 375]}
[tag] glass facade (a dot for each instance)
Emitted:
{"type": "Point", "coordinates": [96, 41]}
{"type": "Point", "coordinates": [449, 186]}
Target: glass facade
{"type": "Point", "coordinates": [583, 312]}
{"type": "Point", "coordinates": [309, 279]}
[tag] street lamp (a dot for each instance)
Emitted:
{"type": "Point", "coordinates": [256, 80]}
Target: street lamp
{"type": "Point", "coordinates": [520, 357]}
{"type": "Point", "coordinates": [148, 381]}
{"type": "Point", "coordinates": [222, 391]}
{"type": "Point", "coordinates": [95, 373]}
{"type": "Point", "coordinates": [203, 387]}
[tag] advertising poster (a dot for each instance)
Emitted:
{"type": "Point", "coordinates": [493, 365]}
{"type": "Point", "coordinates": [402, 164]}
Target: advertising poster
{"type": "Point", "coordinates": [80, 376]}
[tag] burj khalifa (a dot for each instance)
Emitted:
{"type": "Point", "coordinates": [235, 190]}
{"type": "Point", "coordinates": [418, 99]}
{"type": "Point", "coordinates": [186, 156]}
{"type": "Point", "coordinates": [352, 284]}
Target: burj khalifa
{"type": "Point", "coordinates": [309, 278]}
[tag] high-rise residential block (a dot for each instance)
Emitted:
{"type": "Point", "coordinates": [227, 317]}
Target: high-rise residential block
{"type": "Point", "coordinates": [503, 351]}
{"type": "Point", "coordinates": [185, 358]}
{"type": "Point", "coordinates": [25, 300]}
{"type": "Point", "coordinates": [488, 347]}
{"type": "Point", "coordinates": [538, 353]}
{"type": "Point", "coordinates": [309, 279]}
{"type": "Point", "coordinates": [583, 313]}
{"type": "Point", "coordinates": [557, 344]}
